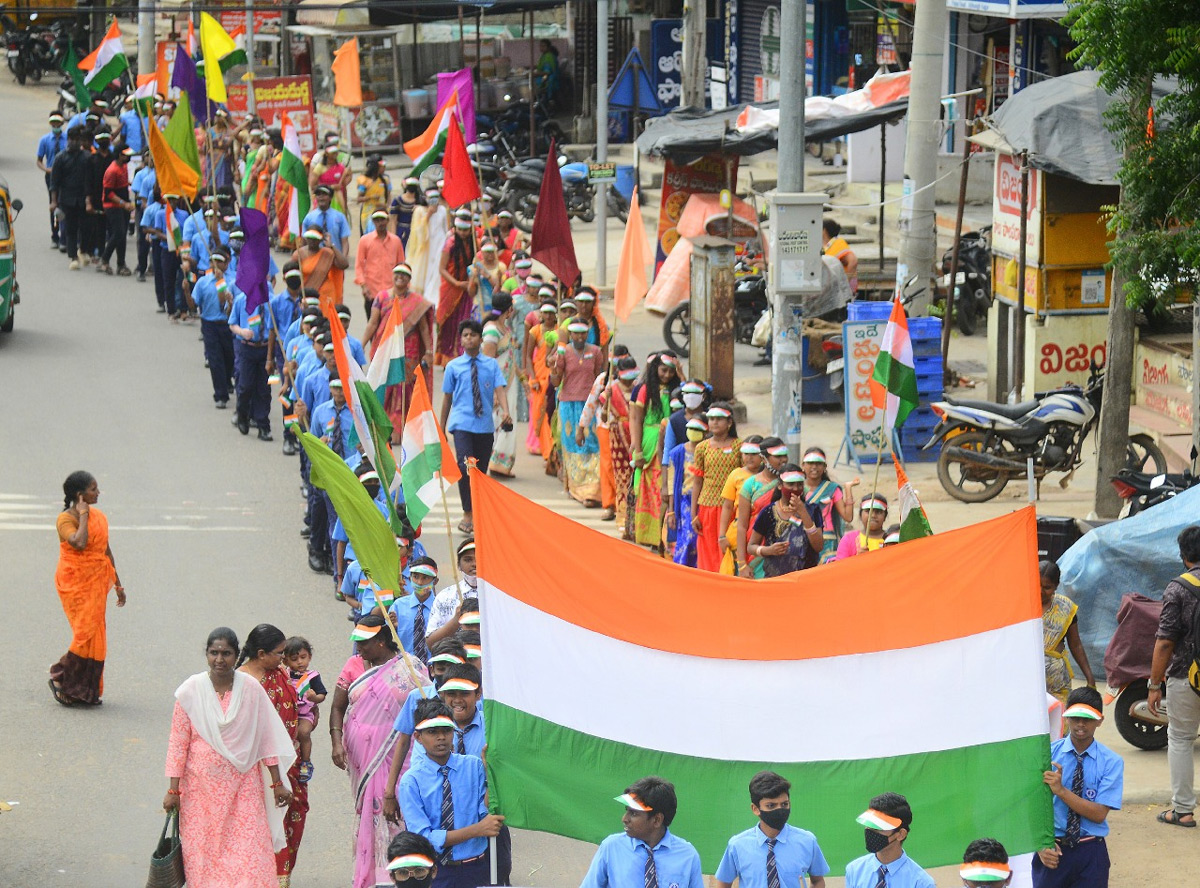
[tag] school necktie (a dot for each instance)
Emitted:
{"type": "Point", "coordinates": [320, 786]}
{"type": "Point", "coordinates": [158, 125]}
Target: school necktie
{"type": "Point", "coordinates": [462, 743]}
{"type": "Point", "coordinates": [651, 870]}
{"type": "Point", "coordinates": [420, 649]}
{"type": "Point", "coordinates": [447, 806]}
{"type": "Point", "coordinates": [476, 394]}
{"type": "Point", "coordinates": [1071, 837]}
{"type": "Point", "coordinates": [336, 444]}
{"type": "Point", "coordinates": [881, 882]}
{"type": "Point", "coordinates": [772, 870]}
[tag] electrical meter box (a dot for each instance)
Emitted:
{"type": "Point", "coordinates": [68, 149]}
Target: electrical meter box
{"type": "Point", "coordinates": [796, 243]}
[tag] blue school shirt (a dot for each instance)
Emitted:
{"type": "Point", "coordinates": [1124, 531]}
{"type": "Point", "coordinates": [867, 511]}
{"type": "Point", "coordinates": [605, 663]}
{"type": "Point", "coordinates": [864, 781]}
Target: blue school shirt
{"type": "Point", "coordinates": [338, 534]}
{"type": "Point", "coordinates": [456, 382]}
{"type": "Point", "coordinates": [405, 611]}
{"type": "Point", "coordinates": [272, 268]}
{"type": "Point", "coordinates": [143, 183]}
{"type": "Point", "coordinates": [49, 145]}
{"type": "Point", "coordinates": [405, 723]}
{"type": "Point", "coordinates": [356, 350]}
{"type": "Point", "coordinates": [240, 316]}
{"type": "Point", "coordinates": [131, 131]}
{"type": "Point", "coordinates": [208, 302]}
{"type": "Point", "coordinates": [287, 312]}
{"type": "Point", "coordinates": [1103, 782]}
{"type": "Point", "coordinates": [904, 872]}
{"type": "Point", "coordinates": [621, 863]}
{"type": "Point", "coordinates": [314, 390]}
{"type": "Point", "coordinates": [351, 587]}
{"type": "Point", "coordinates": [202, 246]}
{"type": "Point", "coordinates": [797, 857]}
{"type": "Point", "coordinates": [78, 120]}
{"type": "Point", "coordinates": [420, 795]}
{"type": "Point", "coordinates": [331, 221]}
{"type": "Point", "coordinates": [193, 225]}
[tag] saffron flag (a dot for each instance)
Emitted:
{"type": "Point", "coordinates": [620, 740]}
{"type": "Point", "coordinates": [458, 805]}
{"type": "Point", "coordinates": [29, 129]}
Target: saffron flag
{"type": "Point", "coordinates": [106, 62]}
{"type": "Point", "coordinates": [461, 186]}
{"type": "Point", "coordinates": [914, 523]}
{"type": "Point", "coordinates": [180, 133]}
{"type": "Point", "coordinates": [292, 171]}
{"type": "Point", "coordinates": [347, 78]}
{"type": "Point", "coordinates": [427, 467]}
{"type": "Point", "coordinates": [894, 380]}
{"type": "Point", "coordinates": [174, 175]}
{"type": "Point", "coordinates": [387, 364]}
{"type": "Point", "coordinates": [370, 535]}
{"type": "Point", "coordinates": [635, 256]}
{"type": "Point", "coordinates": [954, 606]}
{"type": "Point", "coordinates": [461, 81]}
{"type": "Point", "coordinates": [427, 148]}
{"type": "Point", "coordinates": [186, 78]}
{"type": "Point", "coordinates": [220, 54]}
{"type": "Point", "coordinates": [552, 242]}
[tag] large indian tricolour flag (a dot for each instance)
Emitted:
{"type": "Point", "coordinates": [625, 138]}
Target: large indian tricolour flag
{"type": "Point", "coordinates": [917, 669]}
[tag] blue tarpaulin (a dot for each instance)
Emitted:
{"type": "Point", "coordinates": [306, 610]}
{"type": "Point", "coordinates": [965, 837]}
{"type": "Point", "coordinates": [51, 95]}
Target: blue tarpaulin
{"type": "Point", "coordinates": [1137, 554]}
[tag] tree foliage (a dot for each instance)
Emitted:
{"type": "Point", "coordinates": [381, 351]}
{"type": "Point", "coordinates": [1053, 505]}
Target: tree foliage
{"type": "Point", "coordinates": [1131, 42]}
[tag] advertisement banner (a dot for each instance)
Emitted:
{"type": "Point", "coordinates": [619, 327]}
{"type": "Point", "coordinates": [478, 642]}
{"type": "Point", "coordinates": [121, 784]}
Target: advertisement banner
{"type": "Point", "coordinates": [275, 95]}
{"type": "Point", "coordinates": [266, 21]}
{"type": "Point", "coordinates": [1006, 211]}
{"type": "Point", "coordinates": [680, 181]}
{"type": "Point", "coordinates": [666, 57]}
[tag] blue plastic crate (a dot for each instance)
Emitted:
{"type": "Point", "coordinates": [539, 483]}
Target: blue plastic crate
{"type": "Point", "coordinates": [927, 365]}
{"type": "Point", "coordinates": [920, 420]}
{"type": "Point", "coordinates": [868, 311]}
{"type": "Point", "coordinates": [927, 348]}
{"type": "Point", "coordinates": [924, 329]}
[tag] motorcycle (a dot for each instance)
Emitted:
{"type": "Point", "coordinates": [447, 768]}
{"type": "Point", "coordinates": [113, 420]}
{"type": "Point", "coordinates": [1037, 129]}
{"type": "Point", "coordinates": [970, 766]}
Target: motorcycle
{"type": "Point", "coordinates": [973, 282]}
{"type": "Point", "coordinates": [1127, 671]}
{"type": "Point", "coordinates": [17, 48]}
{"type": "Point", "coordinates": [513, 124]}
{"type": "Point", "coordinates": [48, 47]}
{"type": "Point", "coordinates": [749, 302]}
{"type": "Point", "coordinates": [1141, 490]}
{"type": "Point", "coordinates": [522, 184]}
{"type": "Point", "coordinates": [986, 444]}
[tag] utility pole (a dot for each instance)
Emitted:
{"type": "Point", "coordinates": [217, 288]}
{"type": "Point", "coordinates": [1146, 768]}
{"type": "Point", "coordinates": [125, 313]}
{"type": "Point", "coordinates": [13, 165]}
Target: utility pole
{"type": "Point", "coordinates": [695, 54]}
{"type": "Point", "coordinates": [918, 235]}
{"type": "Point", "coordinates": [147, 51]}
{"type": "Point", "coordinates": [601, 138]}
{"type": "Point", "coordinates": [251, 103]}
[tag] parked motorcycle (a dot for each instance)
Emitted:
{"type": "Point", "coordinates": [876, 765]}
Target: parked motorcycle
{"type": "Point", "coordinates": [48, 46]}
{"type": "Point", "coordinates": [1141, 490]}
{"type": "Point", "coordinates": [522, 185]}
{"type": "Point", "coordinates": [987, 444]}
{"type": "Point", "coordinates": [17, 47]}
{"type": "Point", "coordinates": [1127, 671]}
{"type": "Point", "coordinates": [513, 123]}
{"type": "Point", "coordinates": [749, 302]}
{"type": "Point", "coordinates": [973, 282]}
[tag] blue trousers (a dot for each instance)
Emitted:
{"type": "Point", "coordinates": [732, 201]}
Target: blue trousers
{"type": "Point", "coordinates": [253, 393]}
{"type": "Point", "coordinates": [469, 875]}
{"type": "Point", "coordinates": [1084, 866]}
{"type": "Point", "coordinates": [218, 351]}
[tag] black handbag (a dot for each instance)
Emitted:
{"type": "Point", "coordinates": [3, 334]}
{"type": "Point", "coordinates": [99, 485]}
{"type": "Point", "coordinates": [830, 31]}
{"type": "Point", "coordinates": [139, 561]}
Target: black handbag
{"type": "Point", "coordinates": [166, 863]}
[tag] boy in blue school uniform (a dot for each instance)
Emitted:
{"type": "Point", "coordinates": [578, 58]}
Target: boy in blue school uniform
{"type": "Point", "coordinates": [1087, 780]}
{"type": "Point", "coordinates": [886, 824]}
{"type": "Point", "coordinates": [444, 798]}
{"type": "Point", "coordinates": [251, 329]}
{"type": "Point", "coordinates": [213, 297]}
{"type": "Point", "coordinates": [647, 854]}
{"type": "Point", "coordinates": [985, 865]}
{"type": "Point", "coordinates": [772, 852]}
{"type": "Point", "coordinates": [412, 611]}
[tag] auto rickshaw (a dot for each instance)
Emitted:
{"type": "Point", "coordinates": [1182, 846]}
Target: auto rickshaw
{"type": "Point", "coordinates": [10, 293]}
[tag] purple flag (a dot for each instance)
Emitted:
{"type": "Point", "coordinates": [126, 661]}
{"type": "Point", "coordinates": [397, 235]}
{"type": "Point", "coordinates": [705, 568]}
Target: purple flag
{"type": "Point", "coordinates": [254, 260]}
{"type": "Point", "coordinates": [462, 81]}
{"type": "Point", "coordinates": [185, 77]}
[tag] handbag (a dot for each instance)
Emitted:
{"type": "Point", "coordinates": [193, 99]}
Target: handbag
{"type": "Point", "coordinates": [761, 337]}
{"type": "Point", "coordinates": [166, 863]}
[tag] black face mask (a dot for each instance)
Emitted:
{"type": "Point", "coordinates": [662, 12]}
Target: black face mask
{"type": "Point", "coordinates": [417, 883]}
{"type": "Point", "coordinates": [876, 841]}
{"type": "Point", "coordinates": [775, 819]}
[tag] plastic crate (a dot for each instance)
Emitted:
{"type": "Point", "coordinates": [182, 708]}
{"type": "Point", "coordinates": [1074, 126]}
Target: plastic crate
{"type": "Point", "coordinates": [868, 311]}
{"type": "Point", "coordinates": [922, 419]}
{"type": "Point", "coordinates": [927, 365]}
{"type": "Point", "coordinates": [912, 453]}
{"type": "Point", "coordinates": [924, 329]}
{"type": "Point", "coordinates": [930, 387]}
{"type": "Point", "coordinates": [927, 348]}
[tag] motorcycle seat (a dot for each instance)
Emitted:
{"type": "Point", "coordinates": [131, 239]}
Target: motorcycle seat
{"type": "Point", "coordinates": [1011, 411]}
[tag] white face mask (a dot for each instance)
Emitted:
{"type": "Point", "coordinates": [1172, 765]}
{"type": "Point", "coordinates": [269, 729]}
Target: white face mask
{"type": "Point", "coordinates": [692, 401]}
{"type": "Point", "coordinates": [471, 580]}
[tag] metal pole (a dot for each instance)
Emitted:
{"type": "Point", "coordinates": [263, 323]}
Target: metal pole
{"type": "Point", "coordinates": [882, 187]}
{"type": "Point", "coordinates": [147, 51]}
{"type": "Point", "coordinates": [251, 104]}
{"type": "Point", "coordinates": [918, 241]}
{"type": "Point", "coordinates": [602, 140]}
{"type": "Point", "coordinates": [532, 82]}
{"type": "Point", "coordinates": [695, 53]}
{"type": "Point", "coordinates": [1018, 376]}
{"type": "Point", "coordinates": [958, 225]}
{"type": "Point", "coordinates": [791, 96]}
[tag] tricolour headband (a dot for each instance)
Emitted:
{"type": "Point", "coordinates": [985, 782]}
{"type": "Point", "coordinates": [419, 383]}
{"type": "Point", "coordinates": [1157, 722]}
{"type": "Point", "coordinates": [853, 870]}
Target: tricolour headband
{"type": "Point", "coordinates": [364, 633]}
{"type": "Point", "coordinates": [439, 721]}
{"type": "Point", "coordinates": [978, 871]}
{"type": "Point", "coordinates": [1082, 710]}
{"type": "Point", "coordinates": [873, 819]}
{"type": "Point", "coordinates": [629, 800]}
{"type": "Point", "coordinates": [410, 860]}
{"type": "Point", "coordinates": [459, 684]}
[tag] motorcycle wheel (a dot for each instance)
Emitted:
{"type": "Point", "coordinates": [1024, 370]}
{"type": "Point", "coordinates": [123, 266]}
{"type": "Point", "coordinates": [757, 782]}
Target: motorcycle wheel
{"type": "Point", "coordinates": [617, 206]}
{"type": "Point", "coordinates": [1143, 455]}
{"type": "Point", "coordinates": [968, 483]}
{"type": "Point", "coordinates": [523, 206]}
{"type": "Point", "coordinates": [677, 329]}
{"type": "Point", "coordinates": [18, 68]}
{"type": "Point", "coordinates": [586, 213]}
{"type": "Point", "coordinates": [1137, 733]}
{"type": "Point", "coordinates": [964, 311]}
{"type": "Point", "coordinates": [36, 73]}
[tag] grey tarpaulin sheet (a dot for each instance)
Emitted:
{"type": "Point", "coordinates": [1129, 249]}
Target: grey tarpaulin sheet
{"type": "Point", "coordinates": [1137, 554]}
{"type": "Point", "coordinates": [1060, 122]}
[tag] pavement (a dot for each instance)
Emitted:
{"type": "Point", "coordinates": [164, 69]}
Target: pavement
{"type": "Point", "coordinates": [205, 529]}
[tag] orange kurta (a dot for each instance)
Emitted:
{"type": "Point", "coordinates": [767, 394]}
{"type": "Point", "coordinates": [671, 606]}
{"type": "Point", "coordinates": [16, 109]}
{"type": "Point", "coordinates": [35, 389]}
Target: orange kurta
{"type": "Point", "coordinates": [84, 579]}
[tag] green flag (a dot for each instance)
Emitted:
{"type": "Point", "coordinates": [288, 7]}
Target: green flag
{"type": "Point", "coordinates": [180, 133]}
{"type": "Point", "coordinates": [381, 434]}
{"type": "Point", "coordinates": [373, 540]}
{"type": "Point", "coordinates": [83, 96]}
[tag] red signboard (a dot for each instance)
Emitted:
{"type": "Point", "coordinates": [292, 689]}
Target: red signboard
{"type": "Point", "coordinates": [707, 175]}
{"type": "Point", "coordinates": [275, 95]}
{"type": "Point", "coordinates": [266, 21]}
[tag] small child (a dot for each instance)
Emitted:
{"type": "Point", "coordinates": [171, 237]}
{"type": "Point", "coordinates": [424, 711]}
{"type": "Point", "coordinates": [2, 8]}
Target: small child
{"type": "Point", "coordinates": [985, 865]}
{"type": "Point", "coordinates": [310, 691]}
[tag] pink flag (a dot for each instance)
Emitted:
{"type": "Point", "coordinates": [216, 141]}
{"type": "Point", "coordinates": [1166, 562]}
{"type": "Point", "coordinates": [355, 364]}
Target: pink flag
{"type": "Point", "coordinates": [462, 81]}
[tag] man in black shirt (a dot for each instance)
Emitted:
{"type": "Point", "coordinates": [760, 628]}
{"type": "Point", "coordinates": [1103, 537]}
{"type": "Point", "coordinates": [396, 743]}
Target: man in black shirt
{"type": "Point", "coordinates": [93, 227]}
{"type": "Point", "coordinates": [68, 192]}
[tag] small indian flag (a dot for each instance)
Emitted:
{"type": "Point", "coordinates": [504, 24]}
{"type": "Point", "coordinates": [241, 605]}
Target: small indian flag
{"type": "Point", "coordinates": [255, 320]}
{"type": "Point", "coordinates": [429, 147]}
{"type": "Point", "coordinates": [290, 421]}
{"type": "Point", "coordinates": [106, 62]}
{"type": "Point", "coordinates": [385, 597]}
{"type": "Point", "coordinates": [914, 523]}
{"type": "Point", "coordinates": [174, 232]}
{"type": "Point", "coordinates": [143, 96]}
{"type": "Point", "coordinates": [387, 364]}
{"type": "Point", "coordinates": [894, 381]}
{"type": "Point", "coordinates": [427, 467]}
{"type": "Point", "coordinates": [292, 171]}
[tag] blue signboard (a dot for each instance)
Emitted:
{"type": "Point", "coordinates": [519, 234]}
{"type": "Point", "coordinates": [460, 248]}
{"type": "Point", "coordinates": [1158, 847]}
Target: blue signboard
{"type": "Point", "coordinates": [666, 58]}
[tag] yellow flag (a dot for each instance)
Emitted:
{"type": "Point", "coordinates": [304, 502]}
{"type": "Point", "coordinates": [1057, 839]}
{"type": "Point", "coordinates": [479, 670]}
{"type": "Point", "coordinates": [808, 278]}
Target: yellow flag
{"type": "Point", "coordinates": [215, 44]}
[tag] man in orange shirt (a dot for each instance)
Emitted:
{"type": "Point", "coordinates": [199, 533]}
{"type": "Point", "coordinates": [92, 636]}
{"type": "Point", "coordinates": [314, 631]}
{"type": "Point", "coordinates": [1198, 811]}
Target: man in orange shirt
{"type": "Point", "coordinates": [377, 255]}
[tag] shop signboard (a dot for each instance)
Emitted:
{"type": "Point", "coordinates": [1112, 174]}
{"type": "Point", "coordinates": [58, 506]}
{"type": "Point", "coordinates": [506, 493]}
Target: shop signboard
{"type": "Point", "coordinates": [1012, 9]}
{"type": "Point", "coordinates": [275, 95]}
{"type": "Point", "coordinates": [766, 84]}
{"type": "Point", "coordinates": [1006, 211]}
{"type": "Point", "coordinates": [866, 437]}
{"type": "Point", "coordinates": [666, 57]}
{"type": "Point", "coordinates": [680, 181]}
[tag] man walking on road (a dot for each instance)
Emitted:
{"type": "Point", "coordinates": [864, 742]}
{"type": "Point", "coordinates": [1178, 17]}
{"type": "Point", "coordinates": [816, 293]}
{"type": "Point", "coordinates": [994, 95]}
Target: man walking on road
{"type": "Point", "coordinates": [68, 192]}
{"type": "Point", "coordinates": [1174, 653]}
{"type": "Point", "coordinates": [213, 297]}
{"type": "Point", "coordinates": [251, 330]}
{"type": "Point", "coordinates": [49, 147]}
{"type": "Point", "coordinates": [117, 205]}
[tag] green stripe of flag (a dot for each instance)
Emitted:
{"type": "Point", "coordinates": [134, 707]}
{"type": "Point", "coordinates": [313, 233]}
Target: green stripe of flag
{"type": "Point", "coordinates": [533, 765]}
{"type": "Point", "coordinates": [900, 380]}
{"type": "Point", "coordinates": [433, 155]}
{"type": "Point", "coordinates": [235, 58]}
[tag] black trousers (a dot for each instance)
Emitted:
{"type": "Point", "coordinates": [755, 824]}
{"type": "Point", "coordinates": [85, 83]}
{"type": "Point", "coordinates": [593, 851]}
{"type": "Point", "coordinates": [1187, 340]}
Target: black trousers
{"type": "Point", "coordinates": [93, 233]}
{"type": "Point", "coordinates": [143, 251]}
{"type": "Point", "coordinates": [253, 392]}
{"type": "Point", "coordinates": [471, 445]}
{"type": "Point", "coordinates": [71, 229]}
{"type": "Point", "coordinates": [218, 351]}
{"type": "Point", "coordinates": [117, 227]}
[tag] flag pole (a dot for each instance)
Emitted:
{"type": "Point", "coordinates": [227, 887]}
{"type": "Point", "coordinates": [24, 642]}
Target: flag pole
{"type": "Point", "coordinates": [450, 539]}
{"type": "Point", "coordinates": [878, 458]}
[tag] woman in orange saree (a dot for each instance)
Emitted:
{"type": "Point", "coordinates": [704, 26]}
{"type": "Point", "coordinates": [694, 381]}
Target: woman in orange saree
{"type": "Point", "coordinates": [86, 571]}
{"type": "Point", "coordinates": [540, 341]}
{"type": "Point", "coordinates": [416, 320]}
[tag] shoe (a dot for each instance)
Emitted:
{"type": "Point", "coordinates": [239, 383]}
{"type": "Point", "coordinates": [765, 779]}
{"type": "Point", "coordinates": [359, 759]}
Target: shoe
{"type": "Point", "coordinates": [306, 532]}
{"type": "Point", "coordinates": [609, 515]}
{"type": "Point", "coordinates": [74, 266]}
{"type": "Point", "coordinates": [84, 259]}
{"type": "Point", "coordinates": [162, 309]}
{"type": "Point", "coordinates": [316, 562]}
{"type": "Point", "coordinates": [329, 565]}
{"type": "Point", "coordinates": [54, 243]}
{"type": "Point", "coordinates": [763, 362]}
{"type": "Point", "coordinates": [102, 268]}
{"type": "Point", "coordinates": [243, 426]}
{"type": "Point", "coordinates": [289, 449]}
{"type": "Point", "coordinates": [306, 772]}
{"type": "Point", "coordinates": [141, 277]}
{"type": "Point", "coordinates": [124, 271]}
{"type": "Point", "coordinates": [62, 248]}
{"type": "Point", "coordinates": [265, 435]}
{"type": "Point", "coordinates": [221, 405]}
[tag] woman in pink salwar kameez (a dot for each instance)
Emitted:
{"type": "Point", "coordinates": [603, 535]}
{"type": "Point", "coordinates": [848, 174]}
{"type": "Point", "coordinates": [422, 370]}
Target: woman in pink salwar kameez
{"type": "Point", "coordinates": [371, 692]}
{"type": "Point", "coordinates": [224, 733]}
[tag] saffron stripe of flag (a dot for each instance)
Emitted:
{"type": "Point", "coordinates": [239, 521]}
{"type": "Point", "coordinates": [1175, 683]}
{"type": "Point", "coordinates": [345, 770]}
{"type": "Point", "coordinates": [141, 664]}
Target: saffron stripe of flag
{"type": "Point", "coordinates": [954, 605]}
{"type": "Point", "coordinates": [429, 147]}
{"type": "Point", "coordinates": [107, 61]}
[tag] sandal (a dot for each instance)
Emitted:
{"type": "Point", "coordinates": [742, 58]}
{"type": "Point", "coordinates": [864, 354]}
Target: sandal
{"type": "Point", "coordinates": [306, 772]}
{"type": "Point", "coordinates": [1172, 818]}
{"type": "Point", "coordinates": [59, 696]}
{"type": "Point", "coordinates": [466, 527]}
{"type": "Point", "coordinates": [124, 271]}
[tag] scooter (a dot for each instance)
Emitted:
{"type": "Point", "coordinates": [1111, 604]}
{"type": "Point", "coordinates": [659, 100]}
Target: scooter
{"type": "Point", "coordinates": [522, 185]}
{"type": "Point", "coordinates": [1127, 668]}
{"type": "Point", "coordinates": [1141, 490]}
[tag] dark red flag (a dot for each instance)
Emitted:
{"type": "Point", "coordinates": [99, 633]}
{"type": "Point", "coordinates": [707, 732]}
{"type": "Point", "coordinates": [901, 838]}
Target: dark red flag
{"type": "Point", "coordinates": [461, 186]}
{"type": "Point", "coordinates": [552, 243]}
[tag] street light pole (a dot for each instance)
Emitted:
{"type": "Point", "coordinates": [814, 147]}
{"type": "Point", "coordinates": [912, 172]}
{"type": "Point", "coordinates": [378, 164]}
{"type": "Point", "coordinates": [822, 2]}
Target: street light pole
{"type": "Point", "coordinates": [147, 51]}
{"type": "Point", "coordinates": [695, 54]}
{"type": "Point", "coordinates": [602, 139]}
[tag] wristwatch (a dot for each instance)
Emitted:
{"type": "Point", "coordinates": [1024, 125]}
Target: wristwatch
{"type": "Point", "coordinates": [1151, 686]}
